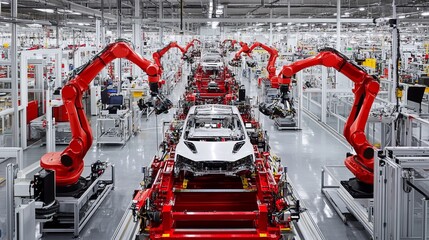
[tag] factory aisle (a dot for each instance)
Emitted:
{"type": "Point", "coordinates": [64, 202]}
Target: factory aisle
{"type": "Point", "coordinates": [128, 161]}
{"type": "Point", "coordinates": [303, 152]}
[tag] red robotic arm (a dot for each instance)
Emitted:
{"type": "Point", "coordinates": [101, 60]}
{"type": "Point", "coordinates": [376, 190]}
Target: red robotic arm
{"type": "Point", "coordinates": [160, 53]}
{"type": "Point", "coordinates": [68, 165]}
{"type": "Point", "coordinates": [232, 41]}
{"type": "Point", "coordinates": [191, 44]}
{"type": "Point", "coordinates": [365, 90]}
{"type": "Point", "coordinates": [236, 60]}
{"type": "Point", "coordinates": [231, 45]}
{"type": "Point", "coordinates": [271, 66]}
{"type": "Point", "coordinates": [244, 49]}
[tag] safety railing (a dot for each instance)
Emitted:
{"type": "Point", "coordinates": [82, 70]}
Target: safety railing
{"type": "Point", "coordinates": [413, 130]}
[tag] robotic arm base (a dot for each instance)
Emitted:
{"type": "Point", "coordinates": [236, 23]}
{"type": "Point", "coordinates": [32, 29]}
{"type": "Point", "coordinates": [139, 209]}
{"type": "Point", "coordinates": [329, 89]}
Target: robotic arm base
{"type": "Point", "coordinates": [355, 165]}
{"type": "Point", "coordinates": [64, 175]}
{"type": "Point", "coordinates": [358, 189]}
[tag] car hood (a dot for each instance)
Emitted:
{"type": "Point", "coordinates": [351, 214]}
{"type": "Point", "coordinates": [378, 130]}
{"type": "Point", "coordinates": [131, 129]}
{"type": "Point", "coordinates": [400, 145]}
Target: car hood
{"type": "Point", "coordinates": [214, 151]}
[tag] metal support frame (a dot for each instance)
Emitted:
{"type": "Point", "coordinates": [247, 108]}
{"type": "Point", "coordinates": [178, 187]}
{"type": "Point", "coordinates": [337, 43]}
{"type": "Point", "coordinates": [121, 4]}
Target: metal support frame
{"type": "Point", "coordinates": [137, 36]}
{"type": "Point", "coordinates": [114, 128]}
{"type": "Point", "coordinates": [395, 46]}
{"type": "Point", "coordinates": [10, 205]}
{"type": "Point", "coordinates": [118, 61]}
{"type": "Point", "coordinates": [161, 17]}
{"type": "Point", "coordinates": [323, 109]}
{"type": "Point", "coordinates": [25, 55]}
{"type": "Point", "coordinates": [397, 192]}
{"type": "Point", "coordinates": [77, 57]}
{"type": "Point", "coordinates": [39, 65]}
{"type": "Point", "coordinates": [271, 29]}
{"type": "Point", "coordinates": [305, 228]}
{"type": "Point", "coordinates": [97, 33]}
{"type": "Point", "coordinates": [50, 120]}
{"type": "Point", "coordinates": [412, 129]}
{"type": "Point", "coordinates": [127, 227]}
{"type": "Point", "coordinates": [102, 37]}
{"type": "Point", "coordinates": [338, 42]}
{"type": "Point", "coordinates": [75, 205]}
{"type": "Point", "coordinates": [258, 20]}
{"type": "Point", "coordinates": [12, 152]}
{"type": "Point", "coordinates": [340, 198]}
{"type": "Point", "coordinates": [14, 75]}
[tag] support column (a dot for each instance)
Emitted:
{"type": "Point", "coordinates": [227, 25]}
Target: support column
{"type": "Point", "coordinates": [271, 28]}
{"type": "Point", "coordinates": [324, 94]}
{"type": "Point", "coordinates": [395, 62]}
{"type": "Point", "coordinates": [338, 47]}
{"type": "Point", "coordinates": [181, 17]}
{"type": "Point", "coordinates": [161, 26]}
{"type": "Point", "coordinates": [14, 75]}
{"type": "Point", "coordinates": [395, 46]}
{"type": "Point", "coordinates": [102, 38]}
{"type": "Point", "coordinates": [50, 142]}
{"type": "Point", "coordinates": [57, 31]}
{"type": "Point", "coordinates": [137, 36]}
{"type": "Point", "coordinates": [118, 62]}
{"type": "Point", "coordinates": [288, 26]}
{"type": "Point", "coordinates": [10, 206]}
{"type": "Point", "coordinates": [97, 33]}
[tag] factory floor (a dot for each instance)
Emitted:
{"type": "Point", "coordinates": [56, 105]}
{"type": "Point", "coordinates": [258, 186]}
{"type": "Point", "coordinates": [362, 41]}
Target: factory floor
{"type": "Point", "coordinates": [304, 153]}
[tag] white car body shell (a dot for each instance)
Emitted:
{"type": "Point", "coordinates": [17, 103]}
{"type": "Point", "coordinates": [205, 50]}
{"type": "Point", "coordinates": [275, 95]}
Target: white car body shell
{"type": "Point", "coordinates": [220, 151]}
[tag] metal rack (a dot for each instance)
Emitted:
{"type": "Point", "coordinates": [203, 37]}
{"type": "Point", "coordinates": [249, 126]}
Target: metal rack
{"type": "Point", "coordinates": [76, 212]}
{"type": "Point", "coordinates": [344, 204]}
{"type": "Point", "coordinates": [114, 128]}
{"type": "Point", "coordinates": [402, 193]}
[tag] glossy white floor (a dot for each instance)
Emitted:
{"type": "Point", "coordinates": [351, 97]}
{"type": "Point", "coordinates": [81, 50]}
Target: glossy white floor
{"type": "Point", "coordinates": [303, 152]}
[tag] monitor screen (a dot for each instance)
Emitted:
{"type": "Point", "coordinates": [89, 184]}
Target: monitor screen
{"type": "Point", "coordinates": [116, 100]}
{"type": "Point", "coordinates": [112, 90]}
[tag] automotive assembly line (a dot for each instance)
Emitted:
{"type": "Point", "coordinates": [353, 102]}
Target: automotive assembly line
{"type": "Point", "coordinates": [226, 137]}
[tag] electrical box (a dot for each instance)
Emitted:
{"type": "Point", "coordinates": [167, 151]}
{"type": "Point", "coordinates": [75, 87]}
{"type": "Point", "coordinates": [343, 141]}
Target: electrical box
{"type": "Point", "coordinates": [44, 186]}
{"type": "Point", "coordinates": [95, 97]}
{"type": "Point", "coordinates": [22, 188]}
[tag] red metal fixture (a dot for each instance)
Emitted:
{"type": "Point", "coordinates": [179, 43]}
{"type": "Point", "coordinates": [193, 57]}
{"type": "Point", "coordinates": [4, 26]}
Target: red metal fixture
{"type": "Point", "coordinates": [68, 164]}
{"type": "Point", "coordinates": [213, 206]}
{"type": "Point", "coordinates": [365, 90]}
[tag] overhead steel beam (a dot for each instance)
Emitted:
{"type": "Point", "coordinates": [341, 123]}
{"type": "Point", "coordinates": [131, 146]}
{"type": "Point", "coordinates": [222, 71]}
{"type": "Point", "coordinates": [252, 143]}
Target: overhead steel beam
{"type": "Point", "coordinates": [260, 20]}
{"type": "Point", "coordinates": [90, 11]}
{"type": "Point", "coordinates": [414, 20]}
{"type": "Point", "coordinates": [24, 21]}
{"type": "Point", "coordinates": [79, 8]}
